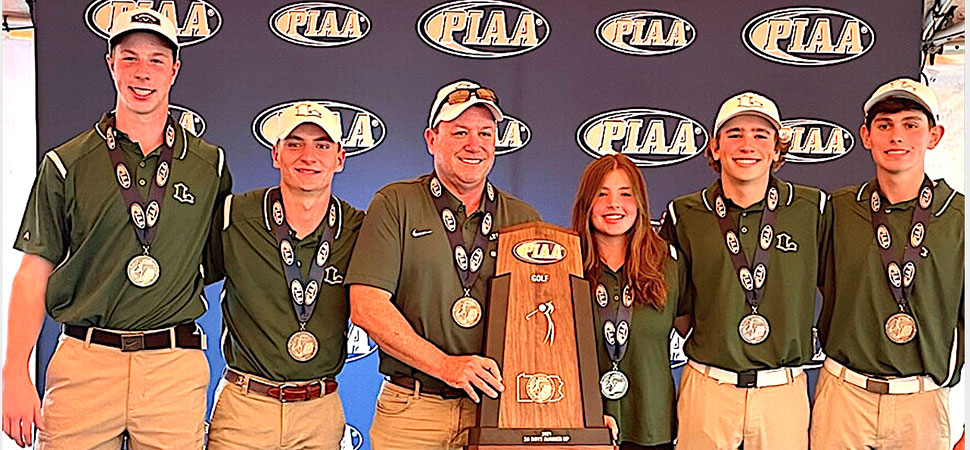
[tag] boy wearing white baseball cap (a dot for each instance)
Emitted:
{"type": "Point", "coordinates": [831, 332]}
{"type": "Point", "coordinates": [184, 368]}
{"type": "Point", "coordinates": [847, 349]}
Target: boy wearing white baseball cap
{"type": "Point", "coordinates": [892, 321]}
{"type": "Point", "coordinates": [283, 252]}
{"type": "Point", "coordinates": [751, 243]}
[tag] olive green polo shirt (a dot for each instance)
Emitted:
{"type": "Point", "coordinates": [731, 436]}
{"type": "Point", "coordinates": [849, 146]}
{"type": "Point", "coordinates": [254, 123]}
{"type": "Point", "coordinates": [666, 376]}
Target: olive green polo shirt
{"type": "Point", "coordinates": [714, 296]}
{"type": "Point", "coordinates": [403, 249]}
{"type": "Point", "coordinates": [857, 299]}
{"type": "Point", "coordinates": [76, 219]}
{"type": "Point", "coordinates": [645, 415]}
{"type": "Point", "coordinates": [257, 312]}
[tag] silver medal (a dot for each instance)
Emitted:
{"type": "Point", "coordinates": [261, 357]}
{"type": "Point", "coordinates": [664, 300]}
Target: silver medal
{"type": "Point", "coordinates": [614, 384]}
{"type": "Point", "coordinates": [901, 328]}
{"type": "Point", "coordinates": [143, 270]}
{"type": "Point", "coordinates": [754, 328]}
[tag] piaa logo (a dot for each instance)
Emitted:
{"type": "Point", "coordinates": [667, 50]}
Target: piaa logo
{"type": "Point", "coordinates": [194, 24]}
{"type": "Point", "coordinates": [190, 120]}
{"type": "Point", "coordinates": [483, 28]}
{"type": "Point", "coordinates": [808, 36]}
{"type": "Point", "coordinates": [513, 134]}
{"type": "Point", "coordinates": [359, 345]}
{"type": "Point", "coordinates": [319, 24]}
{"type": "Point", "coordinates": [645, 33]}
{"type": "Point", "coordinates": [352, 439]}
{"type": "Point", "coordinates": [539, 251]}
{"type": "Point", "coordinates": [817, 141]}
{"type": "Point", "coordinates": [649, 137]}
{"type": "Point", "coordinates": [362, 129]}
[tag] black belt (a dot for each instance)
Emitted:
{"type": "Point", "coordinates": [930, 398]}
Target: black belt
{"type": "Point", "coordinates": [133, 341]}
{"type": "Point", "coordinates": [409, 383]}
{"type": "Point", "coordinates": [284, 392]}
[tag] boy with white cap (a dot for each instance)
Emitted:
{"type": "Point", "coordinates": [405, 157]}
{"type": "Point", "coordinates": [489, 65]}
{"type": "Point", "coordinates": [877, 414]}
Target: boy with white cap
{"type": "Point", "coordinates": [419, 275]}
{"type": "Point", "coordinates": [892, 316]}
{"type": "Point", "coordinates": [751, 244]}
{"type": "Point", "coordinates": [284, 251]}
{"type": "Point", "coordinates": [113, 235]}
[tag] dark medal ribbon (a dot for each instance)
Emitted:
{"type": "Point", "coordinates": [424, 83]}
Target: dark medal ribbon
{"type": "Point", "coordinates": [754, 327]}
{"type": "Point", "coordinates": [143, 270]}
{"type": "Point", "coordinates": [615, 320]}
{"type": "Point", "coordinates": [467, 263]}
{"type": "Point", "coordinates": [303, 293]}
{"type": "Point", "coordinates": [901, 327]}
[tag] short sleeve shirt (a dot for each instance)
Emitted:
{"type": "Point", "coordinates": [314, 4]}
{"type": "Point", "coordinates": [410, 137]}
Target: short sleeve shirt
{"type": "Point", "coordinates": [76, 219]}
{"type": "Point", "coordinates": [646, 414]}
{"type": "Point", "coordinates": [403, 249]}
{"type": "Point", "coordinates": [857, 299]}
{"type": "Point", "coordinates": [257, 312]}
{"type": "Point", "coordinates": [714, 295]}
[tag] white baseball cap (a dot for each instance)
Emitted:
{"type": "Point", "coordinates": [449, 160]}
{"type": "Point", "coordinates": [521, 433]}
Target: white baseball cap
{"type": "Point", "coordinates": [454, 98]}
{"type": "Point", "coordinates": [748, 103]}
{"type": "Point", "coordinates": [905, 88]}
{"type": "Point", "coordinates": [281, 124]}
{"type": "Point", "coordinates": [143, 19]}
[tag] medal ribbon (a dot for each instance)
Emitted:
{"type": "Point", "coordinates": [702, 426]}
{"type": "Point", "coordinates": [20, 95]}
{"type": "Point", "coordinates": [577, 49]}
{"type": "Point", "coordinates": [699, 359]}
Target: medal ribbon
{"type": "Point", "coordinates": [615, 319]}
{"type": "Point", "coordinates": [748, 274]}
{"type": "Point", "coordinates": [303, 293]}
{"type": "Point", "coordinates": [144, 214]}
{"type": "Point", "coordinates": [466, 262]}
{"type": "Point", "coordinates": [901, 277]}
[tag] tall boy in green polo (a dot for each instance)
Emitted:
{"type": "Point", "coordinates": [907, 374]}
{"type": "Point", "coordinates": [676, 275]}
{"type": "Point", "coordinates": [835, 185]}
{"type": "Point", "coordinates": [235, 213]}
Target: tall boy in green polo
{"type": "Point", "coordinates": [750, 242]}
{"type": "Point", "coordinates": [892, 321]}
{"type": "Point", "coordinates": [283, 252]}
{"type": "Point", "coordinates": [113, 235]}
{"type": "Point", "coordinates": [419, 275]}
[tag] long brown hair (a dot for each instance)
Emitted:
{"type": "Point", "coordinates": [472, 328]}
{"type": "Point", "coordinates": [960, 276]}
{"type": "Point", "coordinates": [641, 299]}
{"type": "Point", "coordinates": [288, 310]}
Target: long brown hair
{"type": "Point", "coordinates": [646, 251]}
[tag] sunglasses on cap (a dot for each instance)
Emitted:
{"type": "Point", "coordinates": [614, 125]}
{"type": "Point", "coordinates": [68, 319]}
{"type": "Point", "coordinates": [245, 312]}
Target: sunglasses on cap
{"type": "Point", "coordinates": [462, 95]}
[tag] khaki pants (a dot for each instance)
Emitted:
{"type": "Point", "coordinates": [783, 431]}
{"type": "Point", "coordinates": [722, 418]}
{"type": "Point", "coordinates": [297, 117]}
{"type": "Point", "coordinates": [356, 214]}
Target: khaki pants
{"type": "Point", "coordinates": [846, 416]}
{"type": "Point", "coordinates": [95, 393]}
{"type": "Point", "coordinates": [713, 415]}
{"type": "Point", "coordinates": [247, 420]}
{"type": "Point", "coordinates": [407, 420]}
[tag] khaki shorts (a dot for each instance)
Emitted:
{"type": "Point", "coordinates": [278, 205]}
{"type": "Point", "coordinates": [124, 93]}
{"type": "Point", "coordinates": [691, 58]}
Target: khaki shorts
{"type": "Point", "coordinates": [407, 420]}
{"type": "Point", "coordinates": [247, 420]}
{"type": "Point", "coordinates": [96, 393]}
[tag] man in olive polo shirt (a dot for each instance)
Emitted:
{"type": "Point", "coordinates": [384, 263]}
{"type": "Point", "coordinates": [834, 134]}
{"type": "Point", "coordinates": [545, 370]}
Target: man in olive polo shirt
{"type": "Point", "coordinates": [283, 252]}
{"type": "Point", "coordinates": [750, 242]}
{"type": "Point", "coordinates": [419, 273]}
{"type": "Point", "coordinates": [892, 316]}
{"type": "Point", "coordinates": [113, 235]}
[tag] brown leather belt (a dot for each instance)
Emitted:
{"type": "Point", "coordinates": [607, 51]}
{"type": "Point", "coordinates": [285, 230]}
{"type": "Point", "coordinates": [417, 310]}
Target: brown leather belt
{"type": "Point", "coordinates": [284, 392]}
{"type": "Point", "coordinates": [184, 334]}
{"type": "Point", "coordinates": [409, 383]}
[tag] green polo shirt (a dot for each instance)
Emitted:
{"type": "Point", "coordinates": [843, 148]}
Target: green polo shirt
{"type": "Point", "coordinates": [714, 295]}
{"type": "Point", "coordinates": [76, 219]}
{"type": "Point", "coordinates": [257, 312]}
{"type": "Point", "coordinates": [857, 299]}
{"type": "Point", "coordinates": [645, 415]}
{"type": "Point", "coordinates": [403, 249]}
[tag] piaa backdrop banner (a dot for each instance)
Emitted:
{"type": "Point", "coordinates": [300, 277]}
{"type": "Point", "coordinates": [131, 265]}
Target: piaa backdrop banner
{"type": "Point", "coordinates": [576, 78]}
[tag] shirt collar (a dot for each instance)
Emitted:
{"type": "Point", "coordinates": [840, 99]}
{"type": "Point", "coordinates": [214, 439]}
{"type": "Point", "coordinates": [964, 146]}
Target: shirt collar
{"type": "Point", "coordinates": [785, 195]}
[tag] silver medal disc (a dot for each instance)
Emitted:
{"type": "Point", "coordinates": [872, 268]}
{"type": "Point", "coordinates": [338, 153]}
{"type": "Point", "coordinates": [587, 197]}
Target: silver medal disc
{"type": "Point", "coordinates": [143, 270]}
{"type": "Point", "coordinates": [754, 328]}
{"type": "Point", "coordinates": [614, 384]}
{"type": "Point", "coordinates": [901, 328]}
{"type": "Point", "coordinates": [302, 346]}
{"type": "Point", "coordinates": [466, 312]}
